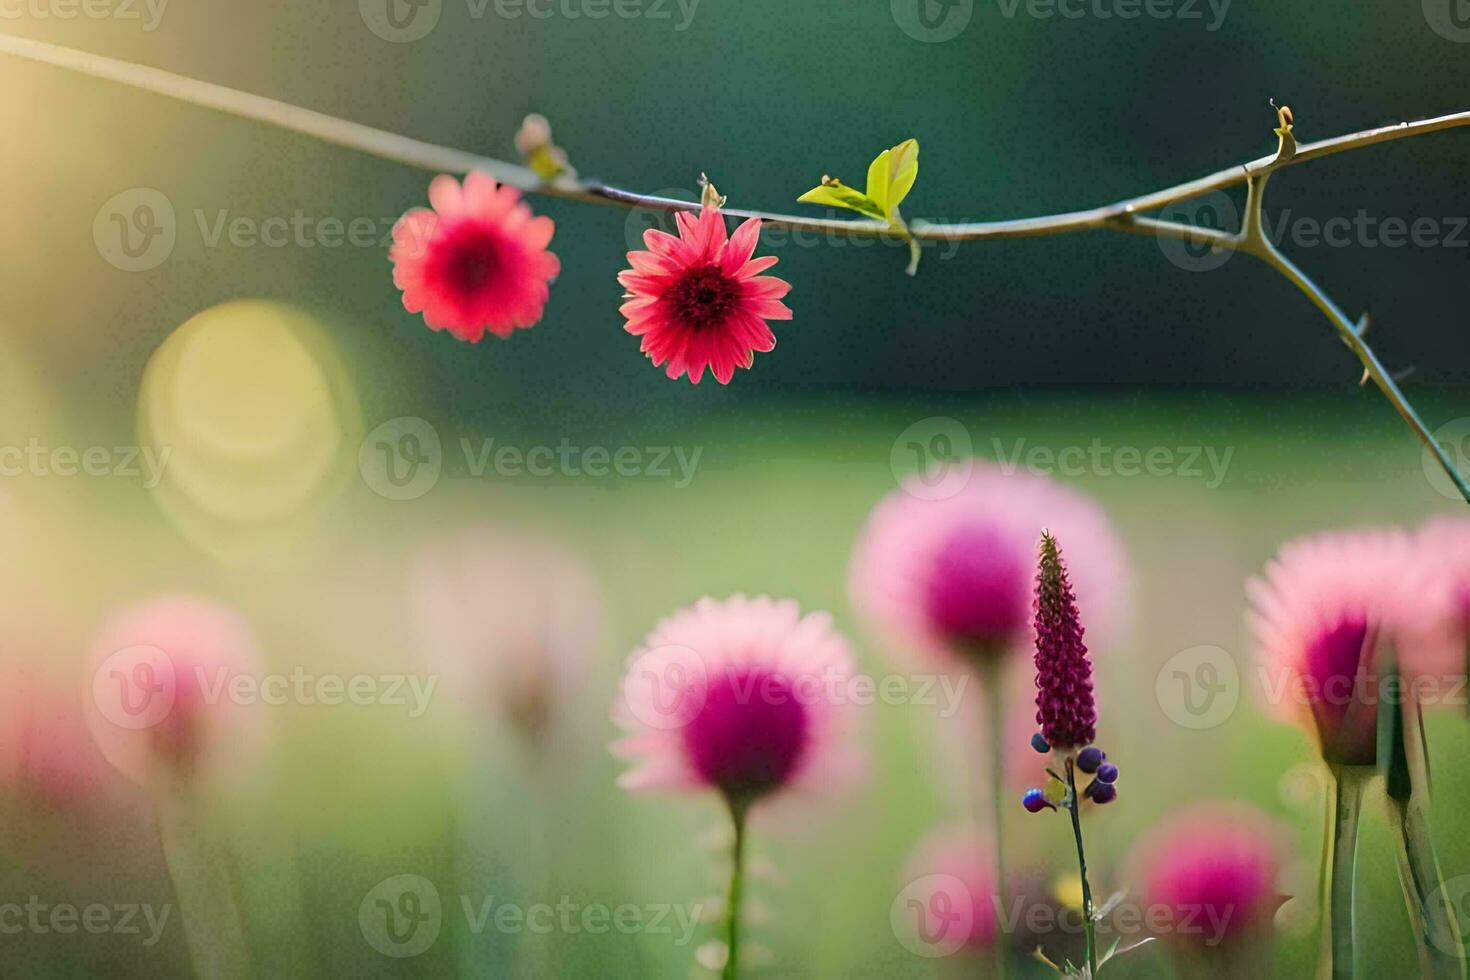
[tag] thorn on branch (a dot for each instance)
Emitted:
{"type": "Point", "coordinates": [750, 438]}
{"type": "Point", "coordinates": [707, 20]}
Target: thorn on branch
{"type": "Point", "coordinates": [1286, 148]}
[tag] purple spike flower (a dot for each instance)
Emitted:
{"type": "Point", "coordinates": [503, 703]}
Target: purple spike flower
{"type": "Point", "coordinates": [1064, 705]}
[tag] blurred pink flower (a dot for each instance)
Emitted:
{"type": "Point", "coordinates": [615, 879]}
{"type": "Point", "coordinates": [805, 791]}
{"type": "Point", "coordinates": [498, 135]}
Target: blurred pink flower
{"type": "Point", "coordinates": [510, 619]}
{"type": "Point", "coordinates": [1441, 647]}
{"type": "Point", "coordinates": [160, 702]}
{"type": "Point", "coordinates": [744, 696]}
{"type": "Point", "coordinates": [952, 578]}
{"type": "Point", "coordinates": [476, 262]}
{"type": "Point", "coordinates": [1214, 867]}
{"type": "Point", "coordinates": [46, 750]}
{"type": "Point", "coordinates": [1322, 614]}
{"type": "Point", "coordinates": [699, 300]}
{"type": "Point", "coordinates": [951, 884]}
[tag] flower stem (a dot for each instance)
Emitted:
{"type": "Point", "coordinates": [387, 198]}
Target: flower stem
{"type": "Point", "coordinates": [1436, 931]}
{"type": "Point", "coordinates": [1074, 805]}
{"type": "Point", "coordinates": [199, 868]}
{"type": "Point", "coordinates": [1341, 856]}
{"type": "Point", "coordinates": [732, 899]}
{"type": "Point", "coordinates": [995, 705]}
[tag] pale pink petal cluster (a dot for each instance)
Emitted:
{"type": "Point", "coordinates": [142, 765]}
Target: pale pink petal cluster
{"type": "Point", "coordinates": [952, 578]}
{"type": "Point", "coordinates": [745, 696]}
{"type": "Point", "coordinates": [951, 881]}
{"type": "Point", "coordinates": [1442, 547]}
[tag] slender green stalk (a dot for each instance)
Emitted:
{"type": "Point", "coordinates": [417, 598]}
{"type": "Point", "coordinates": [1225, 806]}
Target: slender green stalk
{"type": "Point", "coordinates": [1074, 805]}
{"type": "Point", "coordinates": [992, 672]}
{"type": "Point", "coordinates": [1436, 930]}
{"type": "Point", "coordinates": [1338, 921]}
{"type": "Point", "coordinates": [205, 889]}
{"type": "Point", "coordinates": [732, 898]}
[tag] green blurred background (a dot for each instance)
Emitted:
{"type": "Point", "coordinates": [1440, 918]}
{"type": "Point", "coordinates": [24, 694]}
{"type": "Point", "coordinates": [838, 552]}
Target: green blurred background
{"type": "Point", "coordinates": [1049, 343]}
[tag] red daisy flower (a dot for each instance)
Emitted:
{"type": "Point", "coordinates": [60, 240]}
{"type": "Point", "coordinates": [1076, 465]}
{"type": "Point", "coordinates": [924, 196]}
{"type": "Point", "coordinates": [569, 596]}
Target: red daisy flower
{"type": "Point", "coordinates": [476, 262]}
{"type": "Point", "coordinates": [699, 300]}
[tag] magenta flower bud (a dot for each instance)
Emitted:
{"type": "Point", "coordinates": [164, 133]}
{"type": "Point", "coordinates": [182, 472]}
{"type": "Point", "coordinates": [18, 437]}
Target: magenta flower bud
{"type": "Point", "coordinates": [1035, 801]}
{"type": "Point", "coordinates": [1103, 792]}
{"type": "Point", "coordinates": [1064, 705]}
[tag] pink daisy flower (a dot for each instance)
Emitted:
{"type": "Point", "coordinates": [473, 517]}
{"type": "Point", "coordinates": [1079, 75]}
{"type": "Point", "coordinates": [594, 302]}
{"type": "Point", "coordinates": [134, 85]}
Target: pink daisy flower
{"type": "Point", "coordinates": [747, 697]}
{"type": "Point", "coordinates": [159, 702]}
{"type": "Point", "coordinates": [951, 893]}
{"type": "Point", "coordinates": [1442, 647]}
{"type": "Point", "coordinates": [510, 620]}
{"type": "Point", "coordinates": [699, 300]}
{"type": "Point", "coordinates": [1209, 872]}
{"type": "Point", "coordinates": [952, 578]}
{"type": "Point", "coordinates": [476, 262]}
{"type": "Point", "coordinates": [1323, 612]}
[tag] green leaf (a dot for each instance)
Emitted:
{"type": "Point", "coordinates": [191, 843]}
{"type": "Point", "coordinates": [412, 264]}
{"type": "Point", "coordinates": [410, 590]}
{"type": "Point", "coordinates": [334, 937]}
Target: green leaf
{"type": "Point", "coordinates": [1392, 753]}
{"type": "Point", "coordinates": [903, 170]}
{"type": "Point", "coordinates": [834, 193]}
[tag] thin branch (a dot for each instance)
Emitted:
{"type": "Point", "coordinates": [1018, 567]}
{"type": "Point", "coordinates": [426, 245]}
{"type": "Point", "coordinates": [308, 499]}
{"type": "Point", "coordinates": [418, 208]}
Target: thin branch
{"type": "Point", "coordinates": [1125, 216]}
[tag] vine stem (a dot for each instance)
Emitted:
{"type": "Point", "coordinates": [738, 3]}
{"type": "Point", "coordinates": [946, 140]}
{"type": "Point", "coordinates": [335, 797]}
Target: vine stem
{"type": "Point", "coordinates": [1074, 806]}
{"type": "Point", "coordinates": [1339, 862]}
{"type": "Point", "coordinates": [733, 897]}
{"type": "Point", "coordinates": [1125, 215]}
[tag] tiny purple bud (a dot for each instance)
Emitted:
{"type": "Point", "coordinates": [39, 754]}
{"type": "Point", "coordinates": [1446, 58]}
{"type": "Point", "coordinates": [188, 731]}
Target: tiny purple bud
{"type": "Point", "coordinates": [1038, 742]}
{"type": "Point", "coordinates": [1103, 792]}
{"type": "Point", "coordinates": [1090, 758]}
{"type": "Point", "coordinates": [1035, 801]}
{"type": "Point", "coordinates": [1107, 773]}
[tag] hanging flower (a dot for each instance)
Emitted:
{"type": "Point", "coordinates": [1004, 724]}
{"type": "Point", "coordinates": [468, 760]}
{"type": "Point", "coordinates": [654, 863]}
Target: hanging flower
{"type": "Point", "coordinates": [952, 577]}
{"type": "Point", "coordinates": [1065, 709]}
{"type": "Point", "coordinates": [510, 620]}
{"type": "Point", "coordinates": [1208, 875]}
{"type": "Point", "coordinates": [476, 262]}
{"type": "Point", "coordinates": [699, 300]}
{"type": "Point", "coordinates": [747, 697]}
{"type": "Point", "coordinates": [1323, 613]}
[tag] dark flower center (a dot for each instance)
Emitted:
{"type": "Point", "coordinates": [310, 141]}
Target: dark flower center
{"type": "Point", "coordinates": [471, 260]}
{"type": "Point", "coordinates": [702, 297]}
{"type": "Point", "coordinates": [750, 733]}
{"type": "Point", "coordinates": [1333, 661]}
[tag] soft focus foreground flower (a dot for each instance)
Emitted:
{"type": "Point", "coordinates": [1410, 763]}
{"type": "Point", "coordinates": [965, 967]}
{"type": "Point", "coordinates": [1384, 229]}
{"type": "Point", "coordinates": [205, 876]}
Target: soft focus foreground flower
{"type": "Point", "coordinates": [1213, 867]}
{"type": "Point", "coordinates": [952, 577]}
{"type": "Point", "coordinates": [745, 696]}
{"type": "Point", "coordinates": [699, 300]}
{"type": "Point", "coordinates": [160, 703]}
{"type": "Point", "coordinates": [46, 752]}
{"type": "Point", "coordinates": [1065, 709]}
{"type": "Point", "coordinates": [951, 890]}
{"type": "Point", "coordinates": [510, 619]}
{"type": "Point", "coordinates": [477, 261]}
{"type": "Point", "coordinates": [1323, 613]}
{"type": "Point", "coordinates": [1442, 548]}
